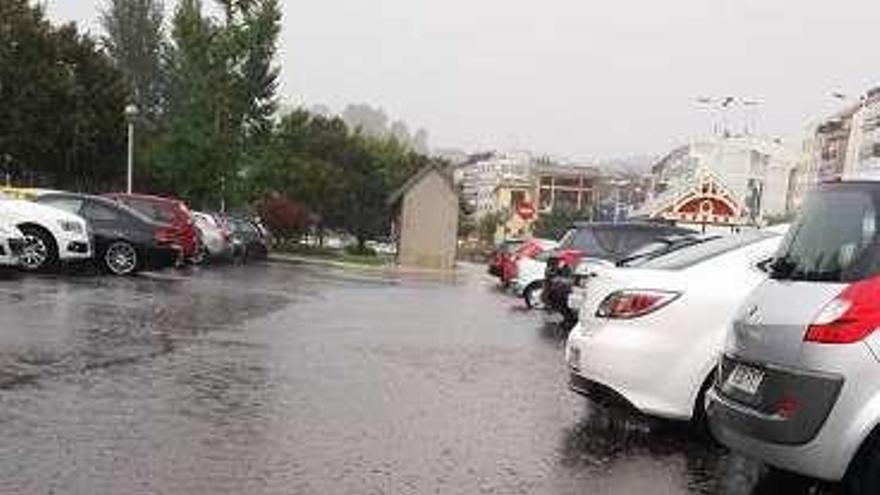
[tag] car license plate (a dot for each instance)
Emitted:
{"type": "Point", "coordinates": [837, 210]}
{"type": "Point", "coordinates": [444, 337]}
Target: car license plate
{"type": "Point", "coordinates": [745, 379]}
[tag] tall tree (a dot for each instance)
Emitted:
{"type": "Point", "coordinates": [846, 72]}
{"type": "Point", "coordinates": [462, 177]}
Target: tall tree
{"type": "Point", "coordinates": [222, 97]}
{"type": "Point", "coordinates": [61, 119]}
{"type": "Point", "coordinates": [187, 156]}
{"type": "Point", "coordinates": [135, 39]}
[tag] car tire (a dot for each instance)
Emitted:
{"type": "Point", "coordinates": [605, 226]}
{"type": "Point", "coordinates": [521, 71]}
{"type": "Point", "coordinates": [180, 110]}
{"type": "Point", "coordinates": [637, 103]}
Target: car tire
{"type": "Point", "coordinates": [532, 295]}
{"type": "Point", "coordinates": [121, 259]}
{"type": "Point", "coordinates": [41, 250]}
{"type": "Point", "coordinates": [699, 423]}
{"type": "Point", "coordinates": [863, 475]}
{"type": "Point", "coordinates": [202, 255]}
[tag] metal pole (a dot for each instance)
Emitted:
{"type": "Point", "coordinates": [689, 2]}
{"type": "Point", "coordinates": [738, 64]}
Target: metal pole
{"type": "Point", "coordinates": [130, 155]}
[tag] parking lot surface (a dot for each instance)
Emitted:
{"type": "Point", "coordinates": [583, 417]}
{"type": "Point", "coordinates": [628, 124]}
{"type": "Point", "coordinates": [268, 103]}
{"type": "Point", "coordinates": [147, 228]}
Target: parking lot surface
{"type": "Point", "coordinates": [285, 379]}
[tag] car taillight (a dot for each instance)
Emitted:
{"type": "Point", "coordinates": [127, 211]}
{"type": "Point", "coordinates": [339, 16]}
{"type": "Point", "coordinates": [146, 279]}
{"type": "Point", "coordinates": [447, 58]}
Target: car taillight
{"type": "Point", "coordinates": [625, 304]}
{"type": "Point", "coordinates": [849, 317]}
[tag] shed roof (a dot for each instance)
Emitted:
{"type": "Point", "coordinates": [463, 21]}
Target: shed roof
{"type": "Point", "coordinates": [417, 177]}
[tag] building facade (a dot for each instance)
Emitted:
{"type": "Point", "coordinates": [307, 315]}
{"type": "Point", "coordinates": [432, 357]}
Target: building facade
{"type": "Point", "coordinates": [844, 144]}
{"type": "Point", "coordinates": [519, 187]}
{"type": "Point", "coordinates": [727, 180]}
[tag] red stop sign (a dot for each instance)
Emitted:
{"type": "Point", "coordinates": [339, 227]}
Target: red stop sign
{"type": "Point", "coordinates": [526, 210]}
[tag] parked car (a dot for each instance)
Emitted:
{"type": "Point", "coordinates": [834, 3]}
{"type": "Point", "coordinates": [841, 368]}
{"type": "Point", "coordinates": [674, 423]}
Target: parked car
{"type": "Point", "coordinates": [215, 236]}
{"type": "Point", "coordinates": [249, 238]}
{"type": "Point", "coordinates": [125, 240]}
{"type": "Point", "coordinates": [168, 211]}
{"type": "Point", "coordinates": [501, 255]}
{"type": "Point", "coordinates": [608, 242]}
{"type": "Point", "coordinates": [587, 267]}
{"type": "Point", "coordinates": [529, 281]}
{"type": "Point", "coordinates": [51, 235]}
{"type": "Point", "coordinates": [666, 319]}
{"type": "Point", "coordinates": [11, 243]}
{"type": "Point", "coordinates": [799, 383]}
{"type": "Point", "coordinates": [527, 250]}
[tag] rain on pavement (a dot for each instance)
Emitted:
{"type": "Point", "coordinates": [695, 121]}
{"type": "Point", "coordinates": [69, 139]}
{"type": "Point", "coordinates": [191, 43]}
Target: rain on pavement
{"type": "Point", "coordinates": [287, 379]}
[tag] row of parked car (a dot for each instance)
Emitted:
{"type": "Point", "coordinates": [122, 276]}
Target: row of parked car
{"type": "Point", "coordinates": [121, 233]}
{"type": "Point", "coordinates": [766, 338]}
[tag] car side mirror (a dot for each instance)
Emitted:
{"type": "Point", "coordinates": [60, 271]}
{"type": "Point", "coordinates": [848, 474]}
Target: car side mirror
{"type": "Point", "coordinates": [766, 266]}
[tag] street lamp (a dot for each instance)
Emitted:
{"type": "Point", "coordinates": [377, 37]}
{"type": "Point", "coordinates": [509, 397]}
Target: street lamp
{"type": "Point", "coordinates": [131, 113]}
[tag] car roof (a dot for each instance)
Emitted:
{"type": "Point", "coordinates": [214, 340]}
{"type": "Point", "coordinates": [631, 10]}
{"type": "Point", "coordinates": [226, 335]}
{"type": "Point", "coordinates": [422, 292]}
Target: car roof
{"type": "Point", "coordinates": [146, 197]}
{"type": "Point", "coordinates": [97, 199]}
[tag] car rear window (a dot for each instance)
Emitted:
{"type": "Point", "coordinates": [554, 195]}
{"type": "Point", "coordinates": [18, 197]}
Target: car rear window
{"type": "Point", "coordinates": [834, 239]}
{"type": "Point", "coordinates": [698, 253]}
{"type": "Point", "coordinates": [153, 210]}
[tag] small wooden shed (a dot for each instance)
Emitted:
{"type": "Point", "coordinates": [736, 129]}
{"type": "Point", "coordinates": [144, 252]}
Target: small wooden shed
{"type": "Point", "coordinates": [426, 219]}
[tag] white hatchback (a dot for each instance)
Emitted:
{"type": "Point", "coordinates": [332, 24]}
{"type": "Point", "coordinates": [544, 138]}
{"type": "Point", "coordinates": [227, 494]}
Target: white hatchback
{"type": "Point", "coordinates": [651, 335]}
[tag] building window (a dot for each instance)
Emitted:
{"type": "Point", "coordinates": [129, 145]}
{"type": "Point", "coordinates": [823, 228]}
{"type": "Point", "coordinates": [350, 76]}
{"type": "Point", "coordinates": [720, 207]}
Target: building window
{"type": "Point", "coordinates": [568, 182]}
{"type": "Point", "coordinates": [545, 199]}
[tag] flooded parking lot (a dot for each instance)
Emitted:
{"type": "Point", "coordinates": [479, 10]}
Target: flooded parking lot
{"type": "Point", "coordinates": [280, 379]}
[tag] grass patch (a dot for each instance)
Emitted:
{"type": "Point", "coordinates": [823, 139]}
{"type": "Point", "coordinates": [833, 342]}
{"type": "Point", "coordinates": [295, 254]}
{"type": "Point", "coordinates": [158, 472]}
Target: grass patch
{"type": "Point", "coordinates": [342, 255]}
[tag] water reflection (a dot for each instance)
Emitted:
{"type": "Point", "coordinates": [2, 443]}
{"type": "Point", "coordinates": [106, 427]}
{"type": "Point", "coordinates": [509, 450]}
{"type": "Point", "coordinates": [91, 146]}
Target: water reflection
{"type": "Point", "coordinates": [605, 437]}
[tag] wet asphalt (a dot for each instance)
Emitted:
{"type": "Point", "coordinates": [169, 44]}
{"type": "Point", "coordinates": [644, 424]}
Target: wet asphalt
{"type": "Point", "coordinates": [293, 379]}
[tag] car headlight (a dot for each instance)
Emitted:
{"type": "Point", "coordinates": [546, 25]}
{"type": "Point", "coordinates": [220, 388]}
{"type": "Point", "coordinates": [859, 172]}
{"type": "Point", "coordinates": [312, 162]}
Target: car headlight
{"type": "Point", "coordinates": [72, 226]}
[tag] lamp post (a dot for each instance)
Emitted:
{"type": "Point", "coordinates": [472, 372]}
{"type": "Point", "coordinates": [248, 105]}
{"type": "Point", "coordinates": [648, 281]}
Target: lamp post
{"type": "Point", "coordinates": [131, 113]}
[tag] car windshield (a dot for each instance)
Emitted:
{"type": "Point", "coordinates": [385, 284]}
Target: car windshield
{"type": "Point", "coordinates": [658, 248]}
{"type": "Point", "coordinates": [835, 239]}
{"type": "Point", "coordinates": [703, 251]}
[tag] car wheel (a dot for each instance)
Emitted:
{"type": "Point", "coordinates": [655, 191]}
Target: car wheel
{"type": "Point", "coordinates": [121, 258]}
{"type": "Point", "coordinates": [863, 475]}
{"type": "Point", "coordinates": [201, 256]}
{"type": "Point", "coordinates": [40, 251]}
{"type": "Point", "coordinates": [532, 295]}
{"type": "Point", "coordinates": [699, 424]}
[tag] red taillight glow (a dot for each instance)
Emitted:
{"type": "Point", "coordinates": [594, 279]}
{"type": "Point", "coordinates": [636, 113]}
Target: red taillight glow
{"type": "Point", "coordinates": [634, 303]}
{"type": "Point", "coordinates": [787, 406]}
{"type": "Point", "coordinates": [850, 317]}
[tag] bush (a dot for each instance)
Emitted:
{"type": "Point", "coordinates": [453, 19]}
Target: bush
{"type": "Point", "coordinates": [284, 217]}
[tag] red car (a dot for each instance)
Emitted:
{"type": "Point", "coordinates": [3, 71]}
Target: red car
{"type": "Point", "coordinates": [172, 212]}
{"type": "Point", "coordinates": [502, 255]}
{"type": "Point", "coordinates": [529, 249]}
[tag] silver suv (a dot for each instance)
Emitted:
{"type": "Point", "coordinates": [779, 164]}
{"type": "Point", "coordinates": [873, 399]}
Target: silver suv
{"type": "Point", "coordinates": [798, 385]}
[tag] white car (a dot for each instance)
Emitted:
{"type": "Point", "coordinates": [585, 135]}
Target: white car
{"type": "Point", "coordinates": [529, 280]}
{"type": "Point", "coordinates": [11, 243]}
{"type": "Point", "coordinates": [651, 335]}
{"type": "Point", "coordinates": [214, 235]}
{"type": "Point", "coordinates": [51, 235]}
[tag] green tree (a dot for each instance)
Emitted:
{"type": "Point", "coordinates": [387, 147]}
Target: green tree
{"type": "Point", "coordinates": [554, 224]}
{"type": "Point", "coordinates": [223, 83]}
{"type": "Point", "coordinates": [186, 159]}
{"type": "Point", "coordinates": [488, 225]}
{"type": "Point", "coordinates": [135, 40]}
{"type": "Point", "coordinates": [61, 122]}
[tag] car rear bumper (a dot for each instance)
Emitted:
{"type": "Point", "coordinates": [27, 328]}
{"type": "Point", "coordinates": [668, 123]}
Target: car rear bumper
{"type": "Point", "coordinates": [819, 439]}
{"type": "Point", "coordinates": [617, 359]}
{"type": "Point", "coordinates": [161, 257]}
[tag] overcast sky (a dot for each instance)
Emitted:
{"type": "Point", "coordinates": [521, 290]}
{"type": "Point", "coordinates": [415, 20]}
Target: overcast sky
{"type": "Point", "coordinates": [587, 79]}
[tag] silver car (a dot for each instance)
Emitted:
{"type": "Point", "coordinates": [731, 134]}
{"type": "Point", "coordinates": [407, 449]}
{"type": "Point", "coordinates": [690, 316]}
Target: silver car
{"type": "Point", "coordinates": [798, 385]}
